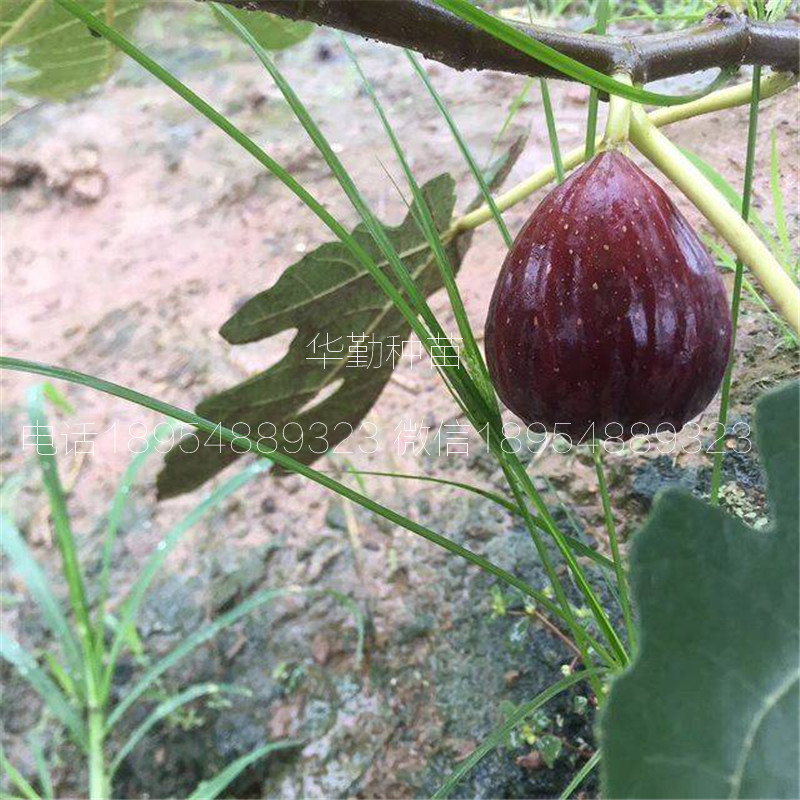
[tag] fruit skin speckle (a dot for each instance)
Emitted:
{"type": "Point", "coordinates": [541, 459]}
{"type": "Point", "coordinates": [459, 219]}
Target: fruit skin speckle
{"type": "Point", "coordinates": [633, 319]}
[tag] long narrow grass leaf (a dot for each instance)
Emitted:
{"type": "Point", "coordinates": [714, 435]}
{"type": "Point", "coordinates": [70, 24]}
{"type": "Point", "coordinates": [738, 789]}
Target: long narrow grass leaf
{"type": "Point", "coordinates": [73, 689]}
{"type": "Point", "coordinates": [576, 544]}
{"type": "Point", "coordinates": [156, 560]}
{"type": "Point", "coordinates": [564, 64]}
{"type": "Point", "coordinates": [611, 528]}
{"type": "Point", "coordinates": [118, 507]}
{"type": "Point", "coordinates": [46, 455]}
{"type": "Point", "coordinates": [513, 110]}
{"type": "Point", "coordinates": [212, 788]}
{"type": "Point", "coordinates": [747, 191]}
{"type": "Point", "coordinates": [25, 664]}
{"type": "Point", "coordinates": [17, 778]}
{"type": "Point", "coordinates": [165, 709]}
{"type": "Point", "coordinates": [728, 262]}
{"type": "Point", "coordinates": [552, 133]}
{"type": "Point", "coordinates": [732, 196]}
{"type": "Point", "coordinates": [42, 770]}
{"type": "Point", "coordinates": [777, 203]}
{"type": "Point", "coordinates": [501, 732]}
{"type": "Point", "coordinates": [472, 354]}
{"type": "Point", "coordinates": [23, 562]}
{"type": "Point", "coordinates": [463, 147]}
{"type": "Point", "coordinates": [285, 461]}
{"type": "Point", "coordinates": [581, 775]}
{"type": "Point", "coordinates": [358, 615]}
{"type": "Point", "coordinates": [602, 11]}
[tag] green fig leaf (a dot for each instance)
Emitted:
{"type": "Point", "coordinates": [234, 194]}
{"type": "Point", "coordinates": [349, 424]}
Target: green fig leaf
{"type": "Point", "coordinates": [328, 297]}
{"type": "Point", "coordinates": [269, 30]}
{"type": "Point", "coordinates": [710, 706]}
{"type": "Point", "coordinates": [48, 53]}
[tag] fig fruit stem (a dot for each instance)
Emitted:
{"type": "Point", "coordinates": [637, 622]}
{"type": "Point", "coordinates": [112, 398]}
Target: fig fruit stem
{"type": "Point", "coordinates": [725, 219]}
{"type": "Point", "coordinates": [619, 117]}
{"type": "Point", "coordinates": [730, 97]}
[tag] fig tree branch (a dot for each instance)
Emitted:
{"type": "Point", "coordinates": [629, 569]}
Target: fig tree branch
{"type": "Point", "coordinates": [722, 39]}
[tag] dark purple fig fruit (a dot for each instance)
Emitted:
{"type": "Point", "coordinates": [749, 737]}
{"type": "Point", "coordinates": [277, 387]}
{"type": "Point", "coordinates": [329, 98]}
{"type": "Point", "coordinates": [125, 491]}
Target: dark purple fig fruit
{"type": "Point", "coordinates": [608, 309]}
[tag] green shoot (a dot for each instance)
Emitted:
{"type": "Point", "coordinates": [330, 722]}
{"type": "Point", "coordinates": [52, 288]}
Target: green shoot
{"type": "Point", "coordinates": [602, 12]}
{"type": "Point", "coordinates": [747, 191]}
{"type": "Point", "coordinates": [500, 733]}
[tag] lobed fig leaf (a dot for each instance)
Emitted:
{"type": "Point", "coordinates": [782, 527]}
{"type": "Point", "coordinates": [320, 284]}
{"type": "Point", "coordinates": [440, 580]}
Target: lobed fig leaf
{"type": "Point", "coordinates": [710, 707]}
{"type": "Point", "coordinates": [329, 295]}
{"type": "Point", "coordinates": [48, 53]}
{"type": "Point", "coordinates": [269, 30]}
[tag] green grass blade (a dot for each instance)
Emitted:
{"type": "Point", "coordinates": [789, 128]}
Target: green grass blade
{"type": "Point", "coordinates": [500, 733]}
{"type": "Point", "coordinates": [727, 380]}
{"type": "Point", "coordinates": [72, 690]}
{"type": "Point", "coordinates": [194, 100]}
{"type": "Point", "coordinates": [61, 523]}
{"type": "Point", "coordinates": [732, 196]}
{"type": "Point", "coordinates": [358, 615]}
{"type": "Point", "coordinates": [212, 788]}
{"type": "Point", "coordinates": [16, 777]}
{"type": "Point", "coordinates": [332, 160]}
{"type": "Point", "coordinates": [115, 515]}
{"type": "Point", "coordinates": [458, 380]}
{"type": "Point", "coordinates": [564, 64]}
{"type": "Point", "coordinates": [9, 491]}
{"type": "Point", "coordinates": [579, 533]}
{"type": "Point", "coordinates": [727, 261]}
{"type": "Point", "coordinates": [25, 664]}
{"type": "Point", "coordinates": [602, 11]}
{"type": "Point", "coordinates": [211, 629]}
{"type": "Point", "coordinates": [463, 147]}
{"type": "Point", "coordinates": [576, 544]}
{"type": "Point", "coordinates": [611, 528]}
{"type": "Point", "coordinates": [23, 562]}
{"type": "Point", "coordinates": [283, 460]}
{"type": "Point", "coordinates": [57, 399]}
{"type": "Point", "coordinates": [132, 640]}
{"type": "Point", "coordinates": [42, 770]}
{"type": "Point", "coordinates": [552, 133]}
{"type": "Point", "coordinates": [581, 776]}
{"type": "Point", "coordinates": [472, 354]}
{"type": "Point", "coordinates": [513, 110]}
{"type": "Point", "coordinates": [164, 709]}
{"type": "Point", "coordinates": [190, 643]}
{"type": "Point", "coordinates": [777, 204]}
{"type": "Point", "coordinates": [523, 488]}
{"type": "Point", "coordinates": [136, 595]}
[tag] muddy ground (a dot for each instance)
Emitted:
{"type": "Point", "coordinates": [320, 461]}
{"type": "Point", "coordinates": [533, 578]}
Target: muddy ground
{"type": "Point", "coordinates": [141, 232]}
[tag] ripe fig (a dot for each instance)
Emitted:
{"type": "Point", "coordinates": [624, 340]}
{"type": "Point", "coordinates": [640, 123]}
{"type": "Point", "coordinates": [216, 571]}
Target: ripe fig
{"type": "Point", "coordinates": [608, 309]}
